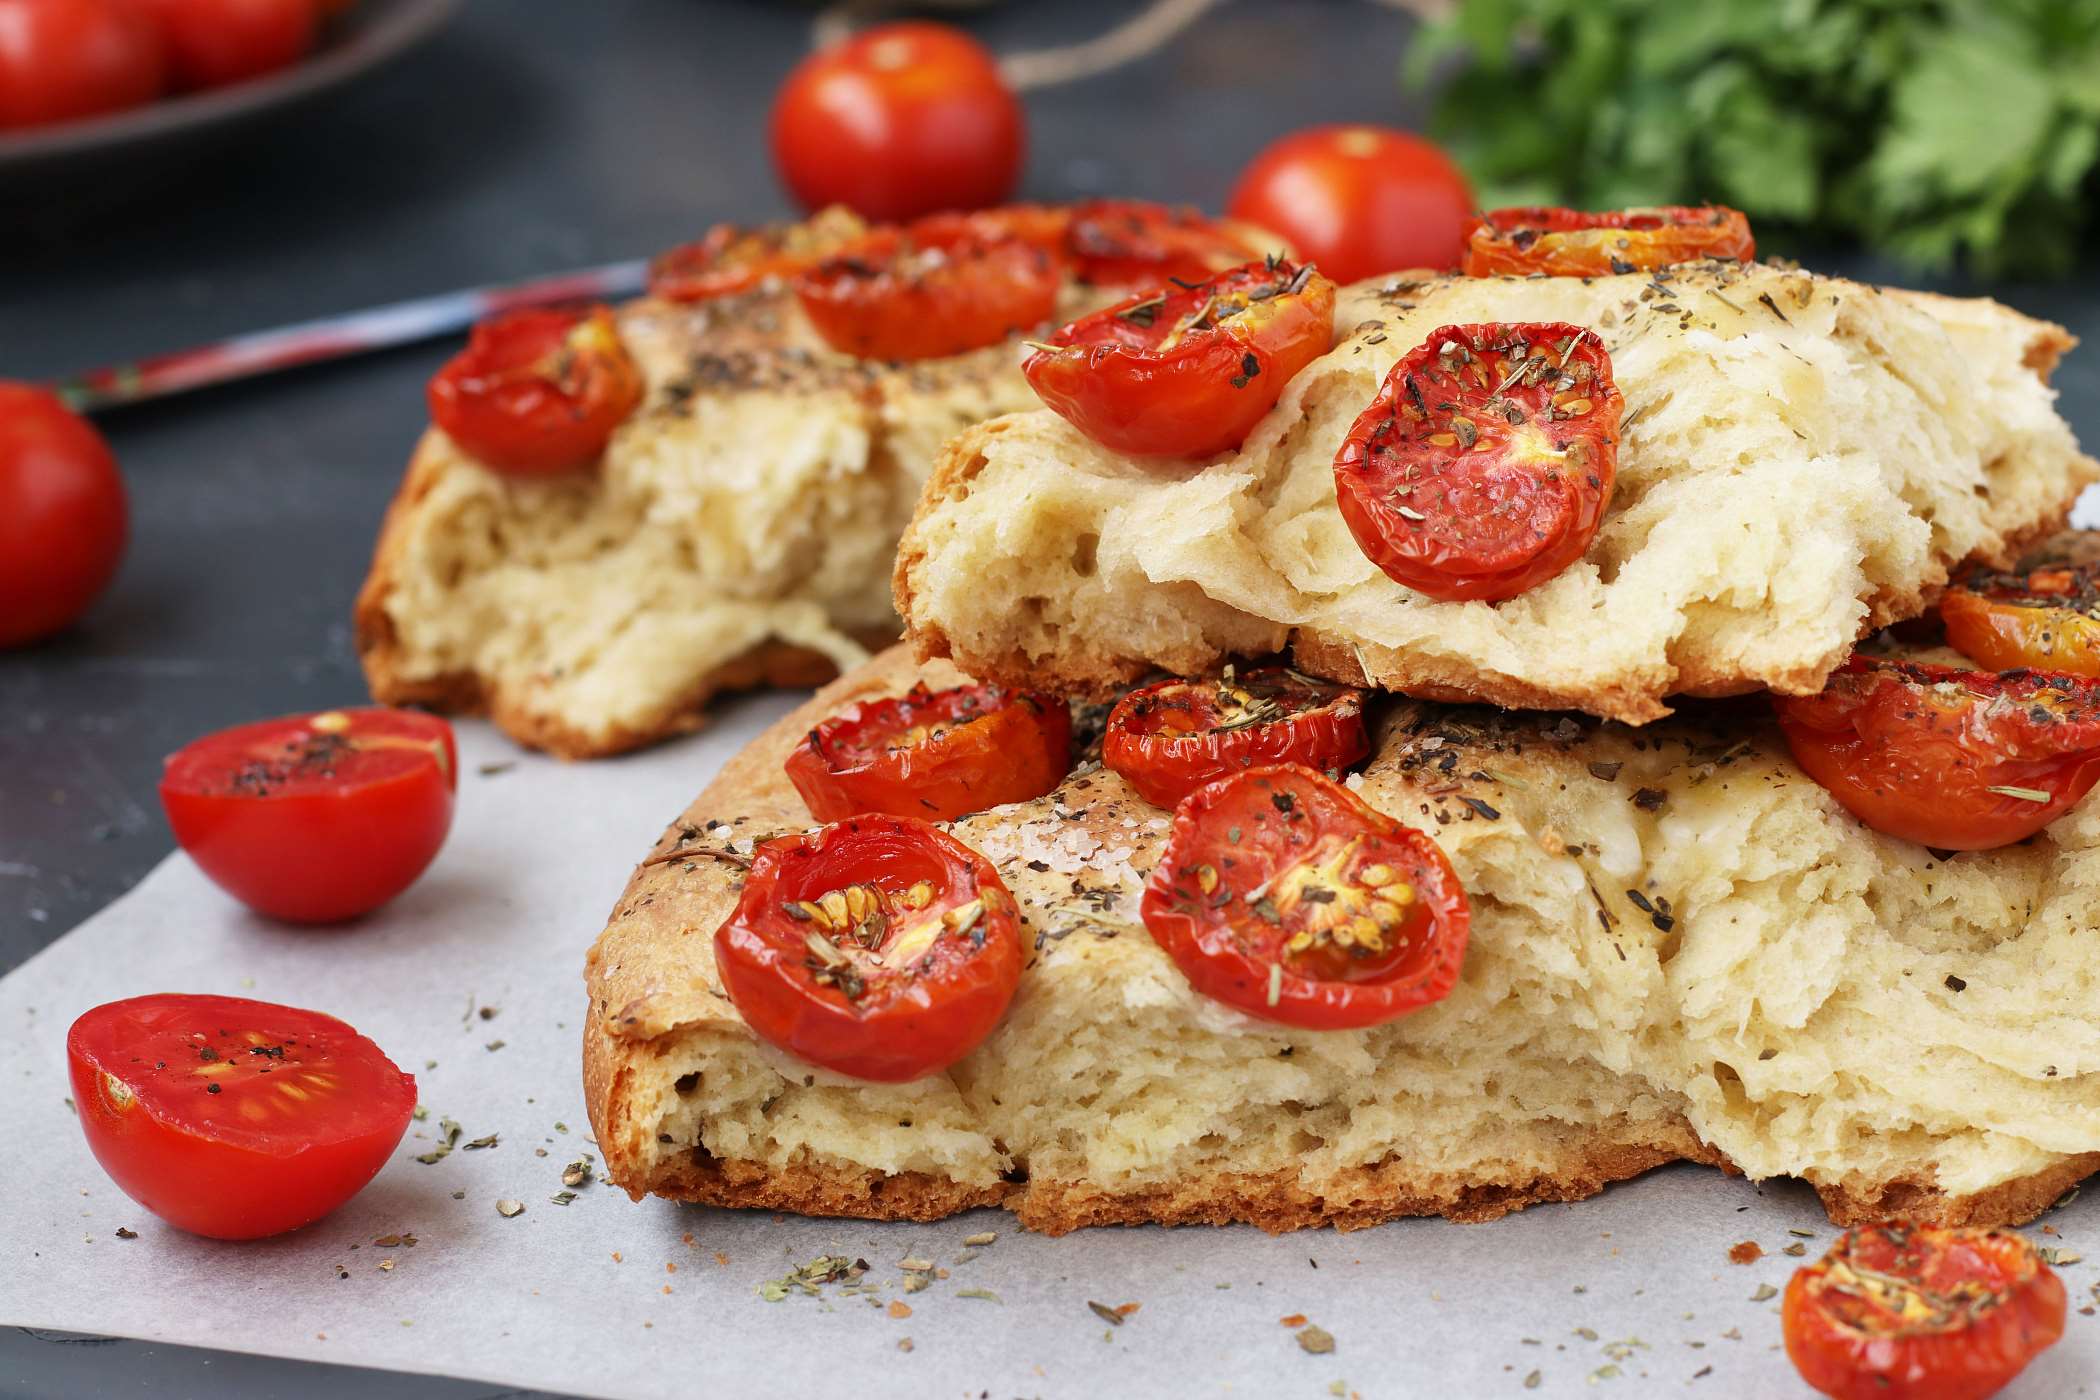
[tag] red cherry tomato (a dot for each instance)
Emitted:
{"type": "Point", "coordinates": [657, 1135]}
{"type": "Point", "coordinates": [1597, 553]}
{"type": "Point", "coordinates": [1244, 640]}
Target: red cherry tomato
{"type": "Point", "coordinates": [1573, 243]}
{"type": "Point", "coordinates": [1485, 463]}
{"type": "Point", "coordinates": [61, 60]}
{"type": "Point", "coordinates": [734, 259]}
{"type": "Point", "coordinates": [933, 754]}
{"type": "Point", "coordinates": [2048, 618]}
{"type": "Point", "coordinates": [211, 43]}
{"type": "Point", "coordinates": [899, 120]}
{"type": "Point", "coordinates": [537, 393]}
{"type": "Point", "coordinates": [1131, 243]}
{"type": "Point", "coordinates": [879, 947]}
{"type": "Point", "coordinates": [1357, 200]}
{"type": "Point", "coordinates": [1953, 759]}
{"type": "Point", "coordinates": [1901, 1312]}
{"type": "Point", "coordinates": [1282, 894]}
{"type": "Point", "coordinates": [1188, 371]}
{"type": "Point", "coordinates": [898, 296]}
{"type": "Point", "coordinates": [234, 1118]}
{"type": "Point", "coordinates": [63, 519]}
{"type": "Point", "coordinates": [315, 818]}
{"type": "Point", "coordinates": [1172, 737]}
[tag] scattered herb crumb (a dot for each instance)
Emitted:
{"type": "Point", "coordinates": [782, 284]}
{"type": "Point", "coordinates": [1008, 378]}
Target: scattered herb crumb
{"type": "Point", "coordinates": [1317, 1340]}
{"type": "Point", "coordinates": [508, 1209]}
{"type": "Point", "coordinates": [982, 1238]}
{"type": "Point", "coordinates": [1745, 1252]}
{"type": "Point", "coordinates": [1532, 1381]}
{"type": "Point", "coordinates": [448, 1138]}
{"type": "Point", "coordinates": [1106, 1313]}
{"type": "Point", "coordinates": [124, 1234]}
{"type": "Point", "coordinates": [985, 1293]}
{"type": "Point", "coordinates": [1765, 1291]}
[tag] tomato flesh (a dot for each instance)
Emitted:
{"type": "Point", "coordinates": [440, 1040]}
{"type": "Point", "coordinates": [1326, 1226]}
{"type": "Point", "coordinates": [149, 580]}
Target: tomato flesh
{"type": "Point", "coordinates": [1283, 895]}
{"type": "Point", "coordinates": [897, 296]}
{"type": "Point", "coordinates": [1557, 242]}
{"type": "Point", "coordinates": [1172, 737]}
{"type": "Point", "coordinates": [537, 392]}
{"type": "Point", "coordinates": [1902, 1312]}
{"type": "Point", "coordinates": [1952, 759]}
{"type": "Point", "coordinates": [2047, 618]}
{"type": "Point", "coordinates": [933, 754]}
{"type": "Point", "coordinates": [234, 1118]}
{"type": "Point", "coordinates": [879, 947]}
{"type": "Point", "coordinates": [62, 60]}
{"type": "Point", "coordinates": [63, 516]}
{"type": "Point", "coordinates": [1484, 466]}
{"type": "Point", "coordinates": [315, 818]}
{"type": "Point", "coordinates": [733, 259]}
{"type": "Point", "coordinates": [1358, 200]}
{"type": "Point", "coordinates": [1133, 243]}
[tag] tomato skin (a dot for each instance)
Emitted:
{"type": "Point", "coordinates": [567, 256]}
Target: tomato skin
{"type": "Point", "coordinates": [985, 747]}
{"type": "Point", "coordinates": [211, 43]}
{"type": "Point", "coordinates": [315, 823]}
{"type": "Point", "coordinates": [1135, 243]}
{"type": "Point", "coordinates": [1170, 738]}
{"type": "Point", "coordinates": [899, 120]}
{"type": "Point", "coordinates": [912, 1016]}
{"type": "Point", "coordinates": [63, 517]}
{"type": "Point", "coordinates": [731, 258]}
{"type": "Point", "coordinates": [2048, 619]}
{"type": "Point", "coordinates": [1850, 1339]}
{"type": "Point", "coordinates": [1283, 830]}
{"type": "Point", "coordinates": [1558, 242]}
{"type": "Point", "coordinates": [1120, 381]}
{"type": "Point", "coordinates": [188, 1156]}
{"type": "Point", "coordinates": [896, 296]}
{"type": "Point", "coordinates": [1913, 750]}
{"type": "Point", "coordinates": [1358, 200]}
{"type": "Point", "coordinates": [537, 392]}
{"type": "Point", "coordinates": [62, 60]}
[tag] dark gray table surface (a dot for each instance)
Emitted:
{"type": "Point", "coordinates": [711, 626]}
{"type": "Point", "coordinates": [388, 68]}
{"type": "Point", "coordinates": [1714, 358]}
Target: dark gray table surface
{"type": "Point", "coordinates": [531, 136]}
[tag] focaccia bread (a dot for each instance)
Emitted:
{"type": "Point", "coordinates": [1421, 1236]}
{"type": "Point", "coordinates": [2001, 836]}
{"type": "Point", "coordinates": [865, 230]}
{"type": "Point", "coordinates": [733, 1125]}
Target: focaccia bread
{"type": "Point", "coordinates": [1804, 459]}
{"type": "Point", "coordinates": [1681, 948]}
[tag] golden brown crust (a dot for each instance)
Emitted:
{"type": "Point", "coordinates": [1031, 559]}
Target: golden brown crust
{"type": "Point", "coordinates": [2012, 1202]}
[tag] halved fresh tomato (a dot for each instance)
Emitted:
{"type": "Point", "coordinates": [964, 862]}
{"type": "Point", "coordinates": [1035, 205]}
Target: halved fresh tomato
{"type": "Point", "coordinates": [879, 947]}
{"type": "Point", "coordinates": [732, 258]}
{"type": "Point", "coordinates": [1903, 1312]}
{"type": "Point", "coordinates": [315, 818]}
{"type": "Point", "coordinates": [1170, 738]}
{"type": "Point", "coordinates": [2047, 618]}
{"type": "Point", "coordinates": [935, 754]}
{"type": "Point", "coordinates": [1556, 242]}
{"type": "Point", "coordinates": [537, 392]}
{"type": "Point", "coordinates": [1282, 894]}
{"type": "Point", "coordinates": [899, 294]}
{"type": "Point", "coordinates": [1953, 759]}
{"type": "Point", "coordinates": [1133, 243]}
{"type": "Point", "coordinates": [1485, 463]}
{"type": "Point", "coordinates": [1186, 371]}
{"type": "Point", "coordinates": [234, 1118]}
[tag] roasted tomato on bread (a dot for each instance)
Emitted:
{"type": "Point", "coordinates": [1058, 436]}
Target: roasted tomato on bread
{"type": "Point", "coordinates": [929, 291]}
{"type": "Point", "coordinates": [1170, 738]}
{"type": "Point", "coordinates": [537, 392]}
{"type": "Point", "coordinates": [1555, 242]}
{"type": "Point", "coordinates": [1282, 894]}
{"type": "Point", "coordinates": [732, 258]}
{"type": "Point", "coordinates": [933, 754]}
{"type": "Point", "coordinates": [879, 947]}
{"type": "Point", "coordinates": [2047, 618]}
{"type": "Point", "coordinates": [1134, 243]}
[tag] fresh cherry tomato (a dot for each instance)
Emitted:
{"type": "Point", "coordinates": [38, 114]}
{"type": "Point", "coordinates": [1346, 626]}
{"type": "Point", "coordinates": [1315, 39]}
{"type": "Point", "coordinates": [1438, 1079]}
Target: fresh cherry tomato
{"type": "Point", "coordinates": [1187, 371]}
{"type": "Point", "coordinates": [537, 393]}
{"type": "Point", "coordinates": [1132, 243]}
{"type": "Point", "coordinates": [879, 947]}
{"type": "Point", "coordinates": [897, 121]}
{"type": "Point", "coordinates": [1902, 1312]}
{"type": "Point", "coordinates": [211, 43]}
{"type": "Point", "coordinates": [895, 295]}
{"type": "Point", "coordinates": [315, 818]}
{"type": "Point", "coordinates": [1170, 738]}
{"type": "Point", "coordinates": [234, 1118]}
{"type": "Point", "coordinates": [1952, 759]}
{"type": "Point", "coordinates": [61, 60]}
{"type": "Point", "coordinates": [1358, 200]}
{"type": "Point", "coordinates": [1282, 894]}
{"type": "Point", "coordinates": [734, 259]}
{"type": "Point", "coordinates": [934, 754]}
{"type": "Point", "coordinates": [63, 519]}
{"type": "Point", "coordinates": [1485, 463]}
{"type": "Point", "coordinates": [1574, 243]}
{"type": "Point", "coordinates": [2047, 618]}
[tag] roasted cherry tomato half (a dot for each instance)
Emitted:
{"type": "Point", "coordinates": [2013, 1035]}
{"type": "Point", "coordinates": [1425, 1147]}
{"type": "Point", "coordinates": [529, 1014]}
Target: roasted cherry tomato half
{"type": "Point", "coordinates": [234, 1118]}
{"type": "Point", "coordinates": [1172, 737]}
{"type": "Point", "coordinates": [1188, 371]}
{"type": "Point", "coordinates": [1484, 465]}
{"type": "Point", "coordinates": [2047, 618]}
{"type": "Point", "coordinates": [735, 259]}
{"type": "Point", "coordinates": [1132, 243]}
{"type": "Point", "coordinates": [1358, 200]}
{"type": "Point", "coordinates": [879, 947]}
{"type": "Point", "coordinates": [315, 818]}
{"type": "Point", "coordinates": [537, 392]}
{"type": "Point", "coordinates": [897, 295]}
{"type": "Point", "coordinates": [1902, 1312]}
{"type": "Point", "coordinates": [1953, 759]}
{"type": "Point", "coordinates": [1577, 243]}
{"type": "Point", "coordinates": [934, 754]}
{"type": "Point", "coordinates": [1282, 894]}
{"type": "Point", "coordinates": [63, 517]}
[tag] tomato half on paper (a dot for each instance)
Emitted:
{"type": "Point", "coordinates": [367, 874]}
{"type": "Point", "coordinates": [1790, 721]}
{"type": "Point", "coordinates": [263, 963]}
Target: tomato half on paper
{"type": "Point", "coordinates": [1170, 738]}
{"type": "Point", "coordinates": [1903, 1312]}
{"type": "Point", "coordinates": [731, 258]}
{"type": "Point", "coordinates": [537, 392]}
{"type": "Point", "coordinates": [880, 947]}
{"type": "Point", "coordinates": [1952, 759]}
{"type": "Point", "coordinates": [933, 754]}
{"type": "Point", "coordinates": [2047, 618]}
{"type": "Point", "coordinates": [315, 818]}
{"type": "Point", "coordinates": [1133, 243]}
{"type": "Point", "coordinates": [234, 1118]}
{"type": "Point", "coordinates": [1282, 894]}
{"type": "Point", "coordinates": [1186, 371]}
{"type": "Point", "coordinates": [1557, 242]}
{"type": "Point", "coordinates": [1358, 200]}
{"type": "Point", "coordinates": [1483, 467]}
{"type": "Point", "coordinates": [899, 295]}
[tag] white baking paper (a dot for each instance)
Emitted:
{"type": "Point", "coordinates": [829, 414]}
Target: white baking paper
{"type": "Point", "coordinates": [1629, 1293]}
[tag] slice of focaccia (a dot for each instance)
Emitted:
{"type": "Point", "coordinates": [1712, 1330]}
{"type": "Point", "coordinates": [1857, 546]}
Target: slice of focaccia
{"type": "Point", "coordinates": [1803, 459]}
{"type": "Point", "coordinates": [1681, 948]}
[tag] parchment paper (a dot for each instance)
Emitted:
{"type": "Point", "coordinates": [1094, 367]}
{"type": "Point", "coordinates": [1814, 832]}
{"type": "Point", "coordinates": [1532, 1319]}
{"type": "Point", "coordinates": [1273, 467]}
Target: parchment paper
{"type": "Point", "coordinates": [1629, 1292]}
